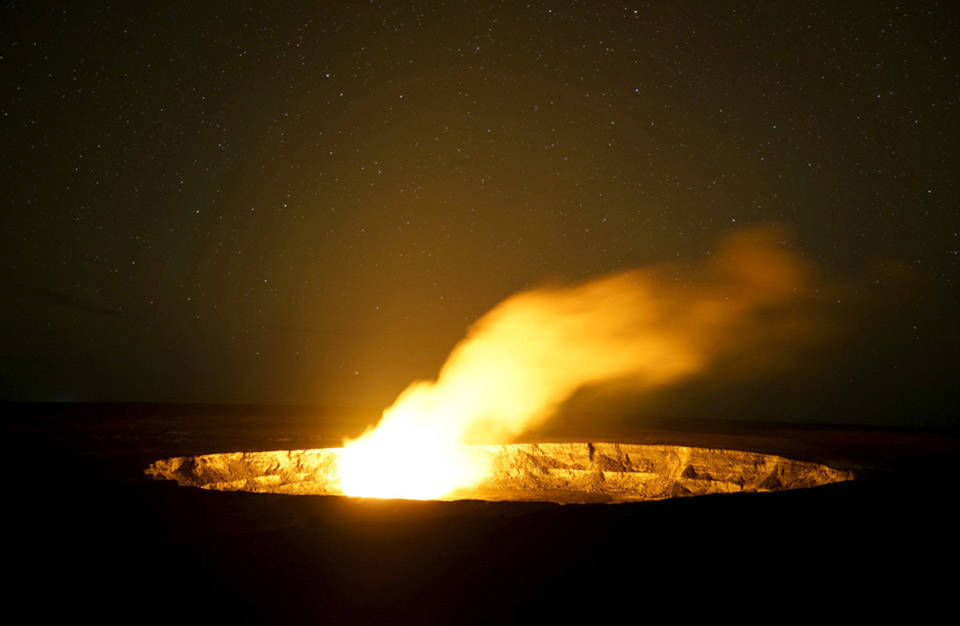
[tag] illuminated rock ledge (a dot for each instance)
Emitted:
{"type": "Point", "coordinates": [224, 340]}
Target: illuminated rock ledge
{"type": "Point", "coordinates": [556, 472]}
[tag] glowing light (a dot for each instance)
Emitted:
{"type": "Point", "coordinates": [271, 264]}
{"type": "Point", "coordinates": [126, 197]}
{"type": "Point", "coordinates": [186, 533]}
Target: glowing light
{"type": "Point", "coordinates": [408, 463]}
{"type": "Point", "coordinates": [534, 350]}
{"type": "Point", "coordinates": [552, 472]}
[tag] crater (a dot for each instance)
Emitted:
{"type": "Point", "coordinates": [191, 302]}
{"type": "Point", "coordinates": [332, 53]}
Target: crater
{"type": "Point", "coordinates": [566, 473]}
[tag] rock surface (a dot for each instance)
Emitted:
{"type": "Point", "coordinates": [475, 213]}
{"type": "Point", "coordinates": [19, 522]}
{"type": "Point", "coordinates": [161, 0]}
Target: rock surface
{"type": "Point", "coordinates": [557, 472]}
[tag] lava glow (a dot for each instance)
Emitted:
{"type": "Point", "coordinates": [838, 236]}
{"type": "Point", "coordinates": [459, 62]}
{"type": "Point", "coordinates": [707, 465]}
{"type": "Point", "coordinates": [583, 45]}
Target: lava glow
{"type": "Point", "coordinates": [381, 465]}
{"type": "Point", "coordinates": [534, 350]}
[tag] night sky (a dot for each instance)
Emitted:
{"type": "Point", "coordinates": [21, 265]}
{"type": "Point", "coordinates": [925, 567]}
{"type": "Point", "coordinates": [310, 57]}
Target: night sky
{"type": "Point", "coordinates": [310, 203]}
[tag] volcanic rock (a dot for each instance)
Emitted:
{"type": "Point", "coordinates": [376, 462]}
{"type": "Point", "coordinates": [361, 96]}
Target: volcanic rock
{"type": "Point", "coordinates": [557, 472]}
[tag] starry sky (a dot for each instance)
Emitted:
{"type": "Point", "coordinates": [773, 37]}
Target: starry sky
{"type": "Point", "coordinates": [308, 203]}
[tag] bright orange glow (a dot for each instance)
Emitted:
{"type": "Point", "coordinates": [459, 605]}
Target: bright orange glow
{"type": "Point", "coordinates": [534, 350]}
{"type": "Point", "coordinates": [403, 460]}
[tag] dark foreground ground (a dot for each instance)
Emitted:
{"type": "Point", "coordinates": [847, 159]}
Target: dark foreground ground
{"type": "Point", "coordinates": [88, 538]}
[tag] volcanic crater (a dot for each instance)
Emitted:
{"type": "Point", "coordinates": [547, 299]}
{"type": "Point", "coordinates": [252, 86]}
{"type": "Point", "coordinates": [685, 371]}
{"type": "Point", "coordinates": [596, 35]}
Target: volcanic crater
{"type": "Point", "coordinates": [566, 473]}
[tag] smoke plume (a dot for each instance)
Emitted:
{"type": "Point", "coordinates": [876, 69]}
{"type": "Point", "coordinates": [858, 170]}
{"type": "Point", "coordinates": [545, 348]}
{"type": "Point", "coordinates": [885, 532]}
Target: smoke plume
{"type": "Point", "coordinates": [645, 327]}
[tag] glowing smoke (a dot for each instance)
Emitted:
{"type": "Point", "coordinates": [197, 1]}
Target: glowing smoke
{"type": "Point", "coordinates": [528, 355]}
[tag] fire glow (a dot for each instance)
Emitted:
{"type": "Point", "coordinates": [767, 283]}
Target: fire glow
{"type": "Point", "coordinates": [518, 363]}
{"type": "Point", "coordinates": [382, 465]}
{"type": "Point", "coordinates": [564, 473]}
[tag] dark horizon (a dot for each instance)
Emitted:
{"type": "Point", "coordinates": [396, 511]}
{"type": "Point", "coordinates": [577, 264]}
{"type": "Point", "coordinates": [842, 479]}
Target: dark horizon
{"type": "Point", "coordinates": [361, 417]}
